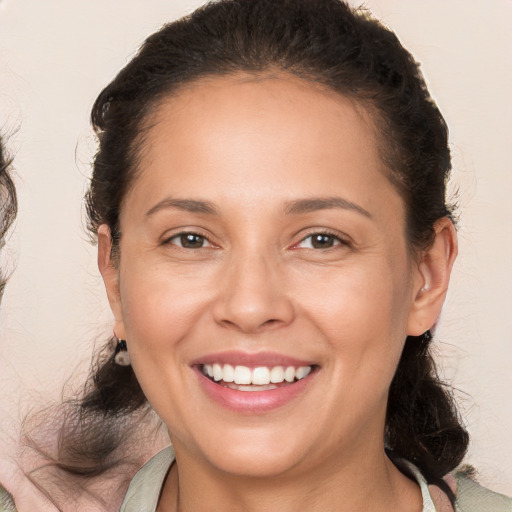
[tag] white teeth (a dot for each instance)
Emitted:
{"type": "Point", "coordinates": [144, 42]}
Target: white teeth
{"type": "Point", "coordinates": [217, 372]}
{"type": "Point", "coordinates": [277, 374]}
{"type": "Point", "coordinates": [251, 387]}
{"type": "Point", "coordinates": [302, 372]}
{"type": "Point", "coordinates": [261, 376]}
{"type": "Point", "coordinates": [242, 375]}
{"type": "Point", "coordinates": [289, 374]}
{"type": "Point", "coordinates": [228, 373]}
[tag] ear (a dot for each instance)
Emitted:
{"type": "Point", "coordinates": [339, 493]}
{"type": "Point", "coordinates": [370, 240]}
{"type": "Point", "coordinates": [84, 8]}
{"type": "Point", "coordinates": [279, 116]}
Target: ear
{"type": "Point", "coordinates": [110, 275]}
{"type": "Point", "coordinates": [433, 275]}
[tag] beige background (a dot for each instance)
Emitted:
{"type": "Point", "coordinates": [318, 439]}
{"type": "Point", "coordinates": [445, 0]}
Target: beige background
{"type": "Point", "coordinates": [56, 55]}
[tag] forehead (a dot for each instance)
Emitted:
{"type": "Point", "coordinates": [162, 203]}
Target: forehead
{"type": "Point", "coordinates": [259, 133]}
{"type": "Point", "coordinates": [256, 97]}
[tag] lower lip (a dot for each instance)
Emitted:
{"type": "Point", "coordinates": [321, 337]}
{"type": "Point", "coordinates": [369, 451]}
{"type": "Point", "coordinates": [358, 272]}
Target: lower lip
{"type": "Point", "coordinates": [253, 402]}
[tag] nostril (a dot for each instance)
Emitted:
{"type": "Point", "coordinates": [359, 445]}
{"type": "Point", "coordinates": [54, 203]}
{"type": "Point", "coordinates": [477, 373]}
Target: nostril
{"type": "Point", "coordinates": [250, 310]}
{"type": "Point", "coordinates": [254, 327]}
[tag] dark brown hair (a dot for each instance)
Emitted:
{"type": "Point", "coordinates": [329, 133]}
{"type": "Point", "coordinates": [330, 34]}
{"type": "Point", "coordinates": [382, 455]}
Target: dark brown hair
{"type": "Point", "coordinates": [8, 210]}
{"type": "Point", "coordinates": [8, 203]}
{"type": "Point", "coordinates": [344, 49]}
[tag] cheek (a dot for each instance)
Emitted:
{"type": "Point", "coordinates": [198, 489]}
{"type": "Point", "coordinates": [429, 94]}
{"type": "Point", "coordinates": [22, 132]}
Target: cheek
{"type": "Point", "coordinates": [160, 306]}
{"type": "Point", "coordinates": [362, 315]}
{"type": "Point", "coordinates": [369, 299]}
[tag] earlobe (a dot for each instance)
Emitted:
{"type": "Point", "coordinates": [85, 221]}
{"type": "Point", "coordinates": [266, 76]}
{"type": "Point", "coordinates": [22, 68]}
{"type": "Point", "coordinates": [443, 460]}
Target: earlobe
{"type": "Point", "coordinates": [110, 277]}
{"type": "Point", "coordinates": [434, 269]}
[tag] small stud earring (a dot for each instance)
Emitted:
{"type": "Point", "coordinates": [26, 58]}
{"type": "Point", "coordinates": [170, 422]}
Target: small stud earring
{"type": "Point", "coordinates": [121, 355]}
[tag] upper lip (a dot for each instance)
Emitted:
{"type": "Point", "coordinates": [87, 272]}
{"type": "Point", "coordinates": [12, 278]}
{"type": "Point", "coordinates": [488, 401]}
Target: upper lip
{"type": "Point", "coordinates": [251, 359]}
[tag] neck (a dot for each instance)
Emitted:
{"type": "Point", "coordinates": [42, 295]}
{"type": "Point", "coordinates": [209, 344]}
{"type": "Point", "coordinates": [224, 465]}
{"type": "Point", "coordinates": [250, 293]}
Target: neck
{"type": "Point", "coordinates": [360, 483]}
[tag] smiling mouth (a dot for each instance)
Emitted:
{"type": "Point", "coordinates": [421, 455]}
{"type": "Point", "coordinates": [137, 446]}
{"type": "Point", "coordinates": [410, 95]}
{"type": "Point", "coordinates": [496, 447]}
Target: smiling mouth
{"type": "Point", "coordinates": [259, 378]}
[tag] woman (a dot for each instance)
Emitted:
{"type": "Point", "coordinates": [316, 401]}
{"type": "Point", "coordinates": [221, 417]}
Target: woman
{"type": "Point", "coordinates": [8, 204]}
{"type": "Point", "coordinates": [269, 201]}
{"type": "Point", "coordinates": [8, 208]}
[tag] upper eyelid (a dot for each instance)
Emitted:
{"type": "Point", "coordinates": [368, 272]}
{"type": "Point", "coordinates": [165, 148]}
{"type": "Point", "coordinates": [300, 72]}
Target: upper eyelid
{"type": "Point", "coordinates": [319, 231]}
{"type": "Point", "coordinates": [185, 231]}
{"type": "Point", "coordinates": [344, 239]}
{"type": "Point", "coordinates": [209, 243]}
{"type": "Point", "coordinates": [340, 241]}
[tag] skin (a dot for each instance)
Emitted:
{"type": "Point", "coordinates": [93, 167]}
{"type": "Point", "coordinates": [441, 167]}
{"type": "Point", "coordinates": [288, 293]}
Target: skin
{"type": "Point", "coordinates": [249, 147]}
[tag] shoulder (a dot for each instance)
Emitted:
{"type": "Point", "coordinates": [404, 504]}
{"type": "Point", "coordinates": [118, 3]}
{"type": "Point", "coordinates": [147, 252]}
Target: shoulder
{"type": "Point", "coordinates": [144, 489]}
{"type": "Point", "coordinates": [472, 497]}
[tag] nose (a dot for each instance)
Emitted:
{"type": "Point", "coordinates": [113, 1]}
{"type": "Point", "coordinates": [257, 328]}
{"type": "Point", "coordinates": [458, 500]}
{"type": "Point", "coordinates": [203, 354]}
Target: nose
{"type": "Point", "coordinates": [252, 297]}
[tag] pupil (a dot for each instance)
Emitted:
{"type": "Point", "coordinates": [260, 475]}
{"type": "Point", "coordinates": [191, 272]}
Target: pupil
{"type": "Point", "coordinates": [322, 241]}
{"type": "Point", "coordinates": [191, 241]}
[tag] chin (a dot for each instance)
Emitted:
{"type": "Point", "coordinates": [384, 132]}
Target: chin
{"type": "Point", "coordinates": [252, 455]}
{"type": "Point", "coordinates": [255, 463]}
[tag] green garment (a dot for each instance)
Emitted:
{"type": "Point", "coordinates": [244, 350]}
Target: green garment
{"type": "Point", "coordinates": [144, 490]}
{"type": "Point", "coordinates": [6, 503]}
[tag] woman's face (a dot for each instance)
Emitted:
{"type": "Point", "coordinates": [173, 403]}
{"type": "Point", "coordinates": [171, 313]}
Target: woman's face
{"type": "Point", "coordinates": [262, 242]}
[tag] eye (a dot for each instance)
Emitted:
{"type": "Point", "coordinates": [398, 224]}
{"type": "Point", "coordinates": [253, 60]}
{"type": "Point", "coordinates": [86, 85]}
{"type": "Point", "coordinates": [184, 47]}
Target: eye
{"type": "Point", "coordinates": [321, 241]}
{"type": "Point", "coordinates": [189, 241]}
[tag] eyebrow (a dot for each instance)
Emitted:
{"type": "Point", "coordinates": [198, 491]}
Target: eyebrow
{"type": "Point", "coordinates": [301, 206]}
{"type": "Point", "coordinates": [296, 207]}
{"type": "Point", "coordinates": [188, 205]}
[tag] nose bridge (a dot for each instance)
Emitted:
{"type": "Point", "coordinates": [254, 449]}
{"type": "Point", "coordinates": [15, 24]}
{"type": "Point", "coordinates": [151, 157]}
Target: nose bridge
{"type": "Point", "coordinates": [252, 296]}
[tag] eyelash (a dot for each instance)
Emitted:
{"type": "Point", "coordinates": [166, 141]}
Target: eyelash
{"type": "Point", "coordinates": [336, 239]}
{"type": "Point", "coordinates": [184, 234]}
